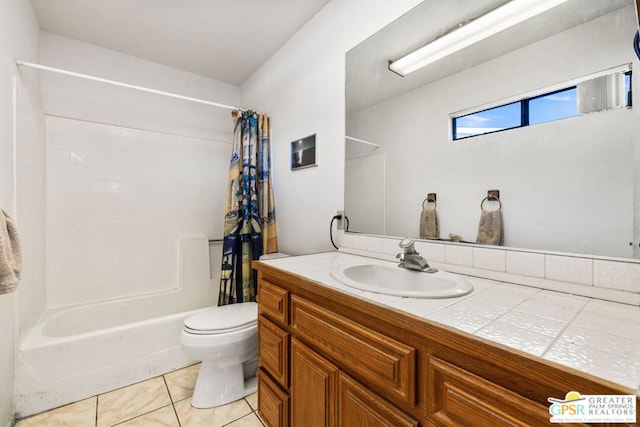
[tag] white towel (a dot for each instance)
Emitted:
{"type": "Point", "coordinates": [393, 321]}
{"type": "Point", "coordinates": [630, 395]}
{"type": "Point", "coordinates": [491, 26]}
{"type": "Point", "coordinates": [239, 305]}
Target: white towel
{"type": "Point", "coordinates": [10, 254]}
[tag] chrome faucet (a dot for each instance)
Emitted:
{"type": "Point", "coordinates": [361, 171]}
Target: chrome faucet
{"type": "Point", "coordinates": [411, 259]}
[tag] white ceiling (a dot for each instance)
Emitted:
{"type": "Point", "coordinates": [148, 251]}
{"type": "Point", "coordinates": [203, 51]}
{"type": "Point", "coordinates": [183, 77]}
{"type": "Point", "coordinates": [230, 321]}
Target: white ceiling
{"type": "Point", "coordinates": [226, 40]}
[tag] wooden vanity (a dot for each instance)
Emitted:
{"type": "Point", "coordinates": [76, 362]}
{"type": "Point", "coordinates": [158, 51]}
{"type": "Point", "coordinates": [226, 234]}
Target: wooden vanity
{"type": "Point", "coordinates": [331, 359]}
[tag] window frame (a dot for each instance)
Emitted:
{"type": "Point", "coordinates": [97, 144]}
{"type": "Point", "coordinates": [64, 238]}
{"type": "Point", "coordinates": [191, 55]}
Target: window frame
{"type": "Point", "coordinates": [525, 100]}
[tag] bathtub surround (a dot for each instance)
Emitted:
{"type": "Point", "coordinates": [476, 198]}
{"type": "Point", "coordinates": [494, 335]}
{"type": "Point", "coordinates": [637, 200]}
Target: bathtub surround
{"type": "Point", "coordinates": [118, 203]}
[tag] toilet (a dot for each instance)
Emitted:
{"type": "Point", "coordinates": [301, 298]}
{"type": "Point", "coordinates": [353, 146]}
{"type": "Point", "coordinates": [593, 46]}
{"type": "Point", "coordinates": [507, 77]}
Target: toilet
{"type": "Point", "coordinates": [225, 339]}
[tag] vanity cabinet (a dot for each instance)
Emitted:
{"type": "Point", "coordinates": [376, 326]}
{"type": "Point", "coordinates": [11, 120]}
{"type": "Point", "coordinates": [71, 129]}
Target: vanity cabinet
{"type": "Point", "coordinates": [331, 359]}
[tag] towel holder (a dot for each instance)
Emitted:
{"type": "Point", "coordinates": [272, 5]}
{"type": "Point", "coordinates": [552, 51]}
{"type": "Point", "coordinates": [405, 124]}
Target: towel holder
{"type": "Point", "coordinates": [431, 198]}
{"type": "Point", "coordinates": [492, 196]}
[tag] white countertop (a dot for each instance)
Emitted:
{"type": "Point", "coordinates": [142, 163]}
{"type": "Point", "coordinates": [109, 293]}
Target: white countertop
{"type": "Point", "coordinates": [597, 337]}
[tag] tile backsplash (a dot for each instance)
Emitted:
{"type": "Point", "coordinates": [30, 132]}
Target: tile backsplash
{"type": "Point", "coordinates": [602, 278]}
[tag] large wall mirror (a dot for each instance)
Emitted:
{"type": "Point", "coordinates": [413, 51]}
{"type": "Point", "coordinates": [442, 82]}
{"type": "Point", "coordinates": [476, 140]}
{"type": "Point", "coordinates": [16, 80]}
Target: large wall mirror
{"type": "Point", "coordinates": [571, 185]}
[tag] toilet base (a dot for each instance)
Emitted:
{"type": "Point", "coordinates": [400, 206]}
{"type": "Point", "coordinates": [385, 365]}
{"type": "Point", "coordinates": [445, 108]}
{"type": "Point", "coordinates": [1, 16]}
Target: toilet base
{"type": "Point", "coordinates": [217, 386]}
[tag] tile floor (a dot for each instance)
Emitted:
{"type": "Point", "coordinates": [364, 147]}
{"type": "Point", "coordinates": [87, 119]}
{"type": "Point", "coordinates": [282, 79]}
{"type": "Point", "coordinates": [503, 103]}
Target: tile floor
{"type": "Point", "coordinates": [160, 401]}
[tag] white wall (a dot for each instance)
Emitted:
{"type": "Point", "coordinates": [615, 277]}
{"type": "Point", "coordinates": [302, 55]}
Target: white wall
{"type": "Point", "coordinates": [301, 87]}
{"type": "Point", "coordinates": [128, 173]}
{"type": "Point", "coordinates": [565, 186]}
{"type": "Point", "coordinates": [18, 39]}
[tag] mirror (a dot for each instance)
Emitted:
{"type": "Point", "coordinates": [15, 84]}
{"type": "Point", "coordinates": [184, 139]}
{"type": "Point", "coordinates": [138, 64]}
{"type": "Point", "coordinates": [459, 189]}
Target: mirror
{"type": "Point", "coordinates": [565, 186]}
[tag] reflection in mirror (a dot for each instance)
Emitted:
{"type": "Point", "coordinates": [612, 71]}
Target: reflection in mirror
{"type": "Point", "coordinates": [566, 185]}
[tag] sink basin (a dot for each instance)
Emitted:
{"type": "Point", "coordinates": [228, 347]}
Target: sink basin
{"type": "Point", "coordinates": [402, 282]}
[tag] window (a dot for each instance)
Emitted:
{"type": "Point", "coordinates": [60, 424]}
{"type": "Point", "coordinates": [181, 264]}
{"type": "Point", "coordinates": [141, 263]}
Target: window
{"type": "Point", "coordinates": [556, 105]}
{"type": "Point", "coordinates": [553, 106]}
{"type": "Point", "coordinates": [487, 121]}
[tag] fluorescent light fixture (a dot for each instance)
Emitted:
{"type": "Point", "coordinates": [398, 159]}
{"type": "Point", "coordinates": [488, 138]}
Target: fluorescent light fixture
{"type": "Point", "coordinates": [478, 29]}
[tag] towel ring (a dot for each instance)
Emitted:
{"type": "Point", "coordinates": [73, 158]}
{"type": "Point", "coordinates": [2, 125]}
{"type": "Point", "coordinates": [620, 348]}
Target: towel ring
{"type": "Point", "coordinates": [431, 198]}
{"type": "Point", "coordinates": [493, 199]}
{"type": "Point", "coordinates": [427, 200]}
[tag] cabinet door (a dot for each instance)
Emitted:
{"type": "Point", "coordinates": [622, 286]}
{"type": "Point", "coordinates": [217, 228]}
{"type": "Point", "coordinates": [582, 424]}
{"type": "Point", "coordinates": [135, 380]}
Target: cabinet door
{"type": "Point", "coordinates": [360, 407]}
{"type": "Point", "coordinates": [313, 388]}
{"type": "Point", "coordinates": [273, 403]}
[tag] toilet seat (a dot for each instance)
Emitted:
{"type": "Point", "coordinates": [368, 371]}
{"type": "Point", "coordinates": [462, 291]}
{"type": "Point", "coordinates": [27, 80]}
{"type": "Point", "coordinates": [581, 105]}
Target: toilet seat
{"type": "Point", "coordinates": [223, 320]}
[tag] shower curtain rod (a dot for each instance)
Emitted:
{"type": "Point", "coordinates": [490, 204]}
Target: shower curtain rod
{"type": "Point", "coordinates": [127, 85]}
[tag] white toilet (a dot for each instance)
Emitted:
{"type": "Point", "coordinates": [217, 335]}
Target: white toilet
{"type": "Point", "coordinates": [225, 339]}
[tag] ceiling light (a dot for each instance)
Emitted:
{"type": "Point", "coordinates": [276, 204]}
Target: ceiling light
{"type": "Point", "coordinates": [478, 29]}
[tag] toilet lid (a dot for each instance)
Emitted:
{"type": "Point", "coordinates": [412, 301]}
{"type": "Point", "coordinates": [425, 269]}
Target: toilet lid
{"type": "Point", "coordinates": [223, 319]}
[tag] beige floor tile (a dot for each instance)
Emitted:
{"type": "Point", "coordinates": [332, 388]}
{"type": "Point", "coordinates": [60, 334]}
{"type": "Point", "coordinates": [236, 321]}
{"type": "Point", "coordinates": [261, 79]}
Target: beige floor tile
{"type": "Point", "coordinates": [252, 399]}
{"type": "Point", "coordinates": [163, 417]}
{"type": "Point", "coordinates": [212, 417]}
{"type": "Point", "coordinates": [78, 414]}
{"type": "Point", "coordinates": [182, 381]}
{"type": "Point", "coordinates": [132, 401]}
{"type": "Point", "coordinates": [250, 420]}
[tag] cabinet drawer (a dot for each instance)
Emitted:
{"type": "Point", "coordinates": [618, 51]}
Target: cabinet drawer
{"type": "Point", "coordinates": [273, 350]}
{"type": "Point", "coordinates": [273, 302]}
{"type": "Point", "coordinates": [360, 407]}
{"type": "Point", "coordinates": [376, 360]}
{"type": "Point", "coordinates": [273, 403]}
{"type": "Point", "coordinates": [457, 397]}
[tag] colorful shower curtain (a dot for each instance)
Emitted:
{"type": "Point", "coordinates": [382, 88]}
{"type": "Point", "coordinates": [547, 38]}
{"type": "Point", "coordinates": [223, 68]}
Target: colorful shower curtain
{"type": "Point", "coordinates": [250, 221]}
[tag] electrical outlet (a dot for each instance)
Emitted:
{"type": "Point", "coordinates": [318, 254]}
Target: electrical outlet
{"type": "Point", "coordinates": [340, 221]}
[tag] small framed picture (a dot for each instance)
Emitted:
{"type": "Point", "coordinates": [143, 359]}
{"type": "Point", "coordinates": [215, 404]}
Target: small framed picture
{"type": "Point", "coordinates": [303, 153]}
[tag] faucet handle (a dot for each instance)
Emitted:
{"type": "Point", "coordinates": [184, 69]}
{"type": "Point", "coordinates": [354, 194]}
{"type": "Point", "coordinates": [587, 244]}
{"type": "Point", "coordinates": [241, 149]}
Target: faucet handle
{"type": "Point", "coordinates": [407, 246]}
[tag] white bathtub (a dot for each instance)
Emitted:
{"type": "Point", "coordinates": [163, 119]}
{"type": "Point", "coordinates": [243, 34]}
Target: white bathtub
{"type": "Point", "coordinates": [55, 368]}
{"type": "Point", "coordinates": [77, 352]}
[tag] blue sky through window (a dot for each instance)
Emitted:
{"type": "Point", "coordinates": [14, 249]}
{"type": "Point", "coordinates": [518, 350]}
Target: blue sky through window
{"type": "Point", "coordinates": [492, 120]}
{"type": "Point", "coordinates": [554, 106]}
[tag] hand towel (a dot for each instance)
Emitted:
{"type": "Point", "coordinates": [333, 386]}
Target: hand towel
{"type": "Point", "coordinates": [429, 228]}
{"type": "Point", "coordinates": [10, 254]}
{"type": "Point", "coordinates": [490, 228]}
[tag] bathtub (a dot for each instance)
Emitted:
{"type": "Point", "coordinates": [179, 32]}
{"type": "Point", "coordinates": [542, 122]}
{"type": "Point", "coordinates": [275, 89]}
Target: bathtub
{"type": "Point", "coordinates": [76, 352]}
{"type": "Point", "coordinates": [56, 367]}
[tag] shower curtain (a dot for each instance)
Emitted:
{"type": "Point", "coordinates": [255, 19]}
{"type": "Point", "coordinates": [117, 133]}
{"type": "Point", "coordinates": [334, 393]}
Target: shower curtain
{"type": "Point", "coordinates": [250, 221]}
